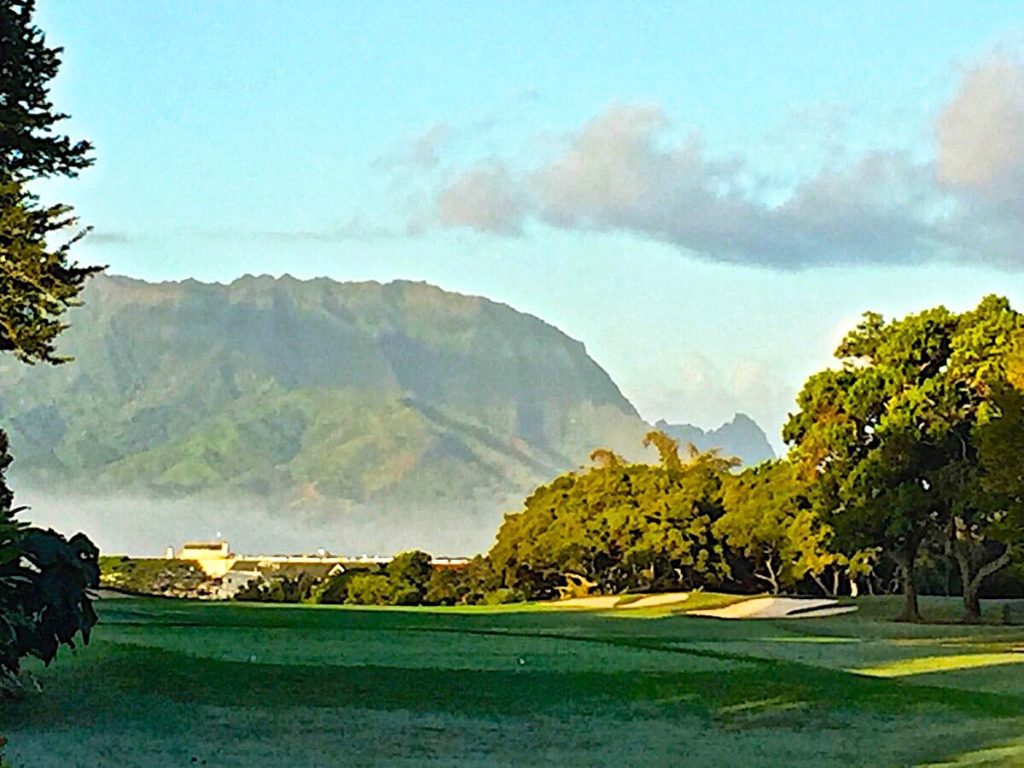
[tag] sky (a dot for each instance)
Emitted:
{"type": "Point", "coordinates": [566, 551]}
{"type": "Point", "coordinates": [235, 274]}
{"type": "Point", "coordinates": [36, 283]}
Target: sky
{"type": "Point", "coordinates": [707, 194]}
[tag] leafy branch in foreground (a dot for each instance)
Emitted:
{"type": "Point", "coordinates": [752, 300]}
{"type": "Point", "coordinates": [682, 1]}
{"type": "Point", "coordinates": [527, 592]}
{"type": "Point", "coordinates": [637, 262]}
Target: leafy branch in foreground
{"type": "Point", "coordinates": [44, 583]}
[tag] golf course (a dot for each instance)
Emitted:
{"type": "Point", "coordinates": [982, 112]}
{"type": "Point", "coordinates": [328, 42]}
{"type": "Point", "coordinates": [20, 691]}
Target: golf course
{"type": "Point", "coordinates": [171, 682]}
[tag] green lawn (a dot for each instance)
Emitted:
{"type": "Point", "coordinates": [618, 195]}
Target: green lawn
{"type": "Point", "coordinates": [170, 683]}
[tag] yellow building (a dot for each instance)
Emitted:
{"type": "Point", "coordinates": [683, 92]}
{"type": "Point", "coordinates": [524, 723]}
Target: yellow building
{"type": "Point", "coordinates": [214, 557]}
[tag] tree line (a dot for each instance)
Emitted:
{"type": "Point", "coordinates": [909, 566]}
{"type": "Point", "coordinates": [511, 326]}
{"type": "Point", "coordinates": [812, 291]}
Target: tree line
{"type": "Point", "coordinates": [908, 451]}
{"type": "Point", "coordinates": [409, 579]}
{"type": "Point", "coordinates": [905, 469]}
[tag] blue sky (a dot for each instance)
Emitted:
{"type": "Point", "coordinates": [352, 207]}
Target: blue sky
{"type": "Point", "coordinates": [706, 194]}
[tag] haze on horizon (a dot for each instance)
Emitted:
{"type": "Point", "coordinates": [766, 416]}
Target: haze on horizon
{"type": "Point", "coordinates": [706, 194]}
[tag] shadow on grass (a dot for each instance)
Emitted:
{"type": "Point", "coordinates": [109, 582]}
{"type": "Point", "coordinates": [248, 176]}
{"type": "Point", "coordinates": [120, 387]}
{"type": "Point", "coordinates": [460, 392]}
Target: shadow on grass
{"type": "Point", "coordinates": [130, 682]}
{"type": "Point", "coordinates": [753, 694]}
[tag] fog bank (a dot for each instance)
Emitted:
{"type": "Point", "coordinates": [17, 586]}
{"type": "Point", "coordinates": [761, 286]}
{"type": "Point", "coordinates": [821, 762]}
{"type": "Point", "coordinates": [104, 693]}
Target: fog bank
{"type": "Point", "coordinates": [142, 526]}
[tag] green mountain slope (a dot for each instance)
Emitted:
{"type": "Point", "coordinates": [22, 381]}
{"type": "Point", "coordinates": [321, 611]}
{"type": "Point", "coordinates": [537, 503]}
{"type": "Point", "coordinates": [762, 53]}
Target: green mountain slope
{"type": "Point", "coordinates": [310, 397]}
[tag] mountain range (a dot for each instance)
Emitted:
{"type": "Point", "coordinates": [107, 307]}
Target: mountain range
{"type": "Point", "coordinates": [371, 412]}
{"type": "Point", "coordinates": [741, 437]}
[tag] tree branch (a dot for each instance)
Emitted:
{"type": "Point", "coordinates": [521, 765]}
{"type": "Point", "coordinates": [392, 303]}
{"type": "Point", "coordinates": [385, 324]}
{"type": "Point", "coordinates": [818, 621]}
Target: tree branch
{"type": "Point", "coordinates": [991, 567]}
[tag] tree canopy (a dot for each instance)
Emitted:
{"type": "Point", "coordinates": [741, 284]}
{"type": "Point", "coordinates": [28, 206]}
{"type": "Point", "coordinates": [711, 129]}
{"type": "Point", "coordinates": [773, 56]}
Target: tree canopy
{"type": "Point", "coordinates": [38, 280]}
{"type": "Point", "coordinates": [769, 519]}
{"type": "Point", "coordinates": [44, 578]}
{"type": "Point", "coordinates": [890, 437]}
{"type": "Point", "coordinates": [620, 526]}
{"type": "Point", "coordinates": [911, 443]}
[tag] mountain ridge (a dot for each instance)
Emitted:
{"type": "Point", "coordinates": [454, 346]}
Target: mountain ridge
{"type": "Point", "coordinates": [332, 403]}
{"type": "Point", "coordinates": [314, 397]}
{"type": "Point", "coordinates": [741, 437]}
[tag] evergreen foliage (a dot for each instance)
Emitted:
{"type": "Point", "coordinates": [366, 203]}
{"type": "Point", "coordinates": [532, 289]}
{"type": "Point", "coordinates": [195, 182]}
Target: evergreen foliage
{"type": "Point", "coordinates": [44, 583]}
{"type": "Point", "coordinates": [910, 449]}
{"type": "Point", "coordinates": [281, 588]}
{"type": "Point", "coordinates": [37, 281]}
{"type": "Point", "coordinates": [44, 577]}
{"type": "Point", "coordinates": [769, 519]}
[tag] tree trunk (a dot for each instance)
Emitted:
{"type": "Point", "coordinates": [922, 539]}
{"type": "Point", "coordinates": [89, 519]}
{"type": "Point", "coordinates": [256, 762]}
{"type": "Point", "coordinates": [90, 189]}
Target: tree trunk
{"type": "Point", "coordinates": [973, 581]}
{"type": "Point", "coordinates": [771, 578]}
{"type": "Point", "coordinates": [821, 584]}
{"type": "Point", "coordinates": [972, 605]}
{"type": "Point", "coordinates": [908, 571]}
{"type": "Point", "coordinates": [774, 577]}
{"type": "Point", "coordinates": [824, 588]}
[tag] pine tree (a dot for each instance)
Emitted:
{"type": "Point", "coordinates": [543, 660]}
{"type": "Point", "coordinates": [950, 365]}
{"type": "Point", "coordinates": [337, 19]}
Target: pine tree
{"type": "Point", "coordinates": [44, 578]}
{"type": "Point", "coordinates": [38, 280]}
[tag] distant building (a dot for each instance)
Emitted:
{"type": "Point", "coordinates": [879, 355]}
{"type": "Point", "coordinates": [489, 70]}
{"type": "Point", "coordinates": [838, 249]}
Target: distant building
{"type": "Point", "coordinates": [244, 572]}
{"type": "Point", "coordinates": [214, 557]}
{"type": "Point", "coordinates": [235, 571]}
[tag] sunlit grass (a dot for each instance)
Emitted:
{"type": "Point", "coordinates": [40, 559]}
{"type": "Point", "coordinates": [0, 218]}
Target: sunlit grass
{"type": "Point", "coordinates": [1005, 755]}
{"type": "Point", "coordinates": [950, 663]}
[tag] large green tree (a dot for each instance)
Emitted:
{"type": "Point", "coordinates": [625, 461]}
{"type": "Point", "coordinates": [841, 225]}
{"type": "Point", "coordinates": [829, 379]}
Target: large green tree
{"type": "Point", "coordinates": [888, 438]}
{"type": "Point", "coordinates": [410, 574]}
{"type": "Point", "coordinates": [994, 536]}
{"type": "Point", "coordinates": [43, 577]}
{"type": "Point", "coordinates": [769, 518]}
{"type": "Point", "coordinates": [619, 526]}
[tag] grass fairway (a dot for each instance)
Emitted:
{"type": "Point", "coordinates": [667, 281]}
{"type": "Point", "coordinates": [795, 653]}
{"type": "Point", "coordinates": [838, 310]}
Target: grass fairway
{"type": "Point", "coordinates": [170, 683]}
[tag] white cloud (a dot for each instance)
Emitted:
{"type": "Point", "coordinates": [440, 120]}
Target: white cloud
{"type": "Point", "coordinates": [980, 132]}
{"type": "Point", "coordinates": [613, 175]}
{"type": "Point", "coordinates": [421, 152]}
{"type": "Point", "coordinates": [485, 198]}
{"type": "Point", "coordinates": [979, 139]}
{"type": "Point", "coordinates": [626, 170]}
{"type": "Point", "coordinates": [105, 237]}
{"type": "Point", "coordinates": [618, 172]}
{"type": "Point", "coordinates": [137, 525]}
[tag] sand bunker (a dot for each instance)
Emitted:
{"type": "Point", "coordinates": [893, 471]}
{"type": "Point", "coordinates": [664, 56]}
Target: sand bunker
{"type": "Point", "coordinates": [601, 601]}
{"type": "Point", "coordinates": [754, 608]}
{"type": "Point", "coordinates": [665, 598]}
{"type": "Point", "coordinates": [605, 602]}
{"type": "Point", "coordinates": [778, 608]}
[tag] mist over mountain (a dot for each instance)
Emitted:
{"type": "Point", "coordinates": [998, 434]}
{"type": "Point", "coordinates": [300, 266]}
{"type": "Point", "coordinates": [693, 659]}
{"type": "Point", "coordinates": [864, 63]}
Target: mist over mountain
{"type": "Point", "coordinates": [741, 437]}
{"type": "Point", "coordinates": [289, 415]}
{"type": "Point", "coordinates": [346, 407]}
